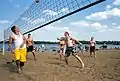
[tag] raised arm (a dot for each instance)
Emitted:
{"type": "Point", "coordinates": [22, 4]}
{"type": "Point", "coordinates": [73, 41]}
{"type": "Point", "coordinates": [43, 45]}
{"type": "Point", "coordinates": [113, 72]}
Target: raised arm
{"type": "Point", "coordinates": [76, 41]}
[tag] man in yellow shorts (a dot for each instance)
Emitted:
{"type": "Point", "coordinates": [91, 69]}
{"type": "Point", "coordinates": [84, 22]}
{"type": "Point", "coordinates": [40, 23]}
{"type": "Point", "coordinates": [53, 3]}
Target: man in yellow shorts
{"type": "Point", "coordinates": [20, 47]}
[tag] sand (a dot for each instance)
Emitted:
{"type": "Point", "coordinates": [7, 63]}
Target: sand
{"type": "Point", "coordinates": [48, 67]}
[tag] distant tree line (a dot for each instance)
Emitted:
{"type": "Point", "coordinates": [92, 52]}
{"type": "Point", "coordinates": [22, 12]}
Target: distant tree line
{"type": "Point", "coordinates": [83, 42]}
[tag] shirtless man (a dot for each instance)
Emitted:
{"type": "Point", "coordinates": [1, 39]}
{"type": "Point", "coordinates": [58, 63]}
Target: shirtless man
{"type": "Point", "coordinates": [92, 44]}
{"type": "Point", "coordinates": [70, 48]}
{"type": "Point", "coordinates": [30, 45]}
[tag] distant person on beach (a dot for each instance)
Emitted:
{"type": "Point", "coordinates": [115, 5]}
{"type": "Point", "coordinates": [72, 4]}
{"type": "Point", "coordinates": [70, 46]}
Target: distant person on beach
{"type": "Point", "coordinates": [74, 46]}
{"type": "Point", "coordinates": [80, 48]}
{"type": "Point", "coordinates": [30, 45]}
{"type": "Point", "coordinates": [70, 48]}
{"type": "Point", "coordinates": [92, 45]}
{"type": "Point", "coordinates": [86, 48]}
{"type": "Point", "coordinates": [20, 47]}
{"type": "Point", "coordinates": [62, 46]}
{"type": "Point", "coordinates": [43, 47]}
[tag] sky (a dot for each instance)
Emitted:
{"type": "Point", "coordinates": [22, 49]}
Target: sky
{"type": "Point", "coordinates": [100, 21]}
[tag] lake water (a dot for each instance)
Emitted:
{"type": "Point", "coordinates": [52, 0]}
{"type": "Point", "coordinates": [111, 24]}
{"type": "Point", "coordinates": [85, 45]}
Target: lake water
{"type": "Point", "coordinates": [56, 46]}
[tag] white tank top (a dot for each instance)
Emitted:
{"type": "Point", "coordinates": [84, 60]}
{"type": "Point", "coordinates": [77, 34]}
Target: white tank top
{"type": "Point", "coordinates": [18, 41]}
{"type": "Point", "coordinates": [69, 42]}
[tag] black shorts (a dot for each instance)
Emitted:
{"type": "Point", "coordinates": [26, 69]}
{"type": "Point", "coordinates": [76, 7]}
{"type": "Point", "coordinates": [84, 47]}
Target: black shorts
{"type": "Point", "coordinates": [30, 48]}
{"type": "Point", "coordinates": [69, 50]}
{"type": "Point", "coordinates": [92, 49]}
{"type": "Point", "coordinates": [61, 48]}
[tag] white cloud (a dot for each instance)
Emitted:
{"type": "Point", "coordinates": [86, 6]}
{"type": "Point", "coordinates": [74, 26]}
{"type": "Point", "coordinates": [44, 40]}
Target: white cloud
{"type": "Point", "coordinates": [54, 28]}
{"type": "Point", "coordinates": [103, 30]}
{"type": "Point", "coordinates": [114, 24]}
{"type": "Point", "coordinates": [4, 21]}
{"type": "Point", "coordinates": [118, 27]}
{"type": "Point", "coordinates": [50, 12]}
{"type": "Point", "coordinates": [80, 23]}
{"type": "Point", "coordinates": [116, 2]}
{"type": "Point", "coordinates": [98, 26]}
{"type": "Point", "coordinates": [25, 19]}
{"type": "Point", "coordinates": [104, 15]}
{"type": "Point", "coordinates": [64, 10]}
{"type": "Point", "coordinates": [115, 12]}
{"type": "Point", "coordinates": [49, 33]}
{"type": "Point", "coordinates": [97, 16]}
{"type": "Point", "coordinates": [38, 20]}
{"type": "Point", "coordinates": [54, 13]}
{"type": "Point", "coordinates": [108, 7]}
{"type": "Point", "coordinates": [95, 25]}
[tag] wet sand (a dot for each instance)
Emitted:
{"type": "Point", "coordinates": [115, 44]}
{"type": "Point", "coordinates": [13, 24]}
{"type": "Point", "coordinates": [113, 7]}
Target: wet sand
{"type": "Point", "coordinates": [48, 67]}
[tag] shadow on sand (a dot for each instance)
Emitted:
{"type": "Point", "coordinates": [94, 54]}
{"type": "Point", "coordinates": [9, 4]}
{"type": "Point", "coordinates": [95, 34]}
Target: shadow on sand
{"type": "Point", "coordinates": [10, 66]}
{"type": "Point", "coordinates": [55, 63]}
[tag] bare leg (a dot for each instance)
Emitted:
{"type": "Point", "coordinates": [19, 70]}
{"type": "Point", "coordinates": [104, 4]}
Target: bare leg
{"type": "Point", "coordinates": [21, 65]}
{"type": "Point", "coordinates": [79, 59]}
{"type": "Point", "coordinates": [18, 66]}
{"type": "Point", "coordinates": [94, 54]}
{"type": "Point", "coordinates": [61, 53]}
{"type": "Point", "coordinates": [60, 56]}
{"type": "Point", "coordinates": [34, 55]}
{"type": "Point", "coordinates": [66, 60]}
{"type": "Point", "coordinates": [90, 53]}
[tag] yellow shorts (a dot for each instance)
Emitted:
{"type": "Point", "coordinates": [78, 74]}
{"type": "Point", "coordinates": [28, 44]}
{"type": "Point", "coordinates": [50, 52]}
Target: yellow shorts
{"type": "Point", "coordinates": [20, 54]}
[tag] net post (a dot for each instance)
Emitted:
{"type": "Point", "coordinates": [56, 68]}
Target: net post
{"type": "Point", "coordinates": [3, 49]}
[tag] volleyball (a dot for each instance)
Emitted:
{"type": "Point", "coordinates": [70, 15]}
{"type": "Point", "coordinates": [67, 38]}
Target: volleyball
{"type": "Point", "coordinates": [37, 1]}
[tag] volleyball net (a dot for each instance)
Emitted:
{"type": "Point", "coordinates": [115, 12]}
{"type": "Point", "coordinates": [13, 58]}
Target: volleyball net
{"type": "Point", "coordinates": [45, 12]}
{"type": "Point", "coordinates": [48, 11]}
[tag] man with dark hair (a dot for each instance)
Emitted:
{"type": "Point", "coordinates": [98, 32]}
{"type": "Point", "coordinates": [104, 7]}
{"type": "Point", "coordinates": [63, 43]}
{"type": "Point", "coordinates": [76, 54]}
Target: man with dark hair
{"type": "Point", "coordinates": [30, 45]}
{"type": "Point", "coordinates": [20, 47]}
